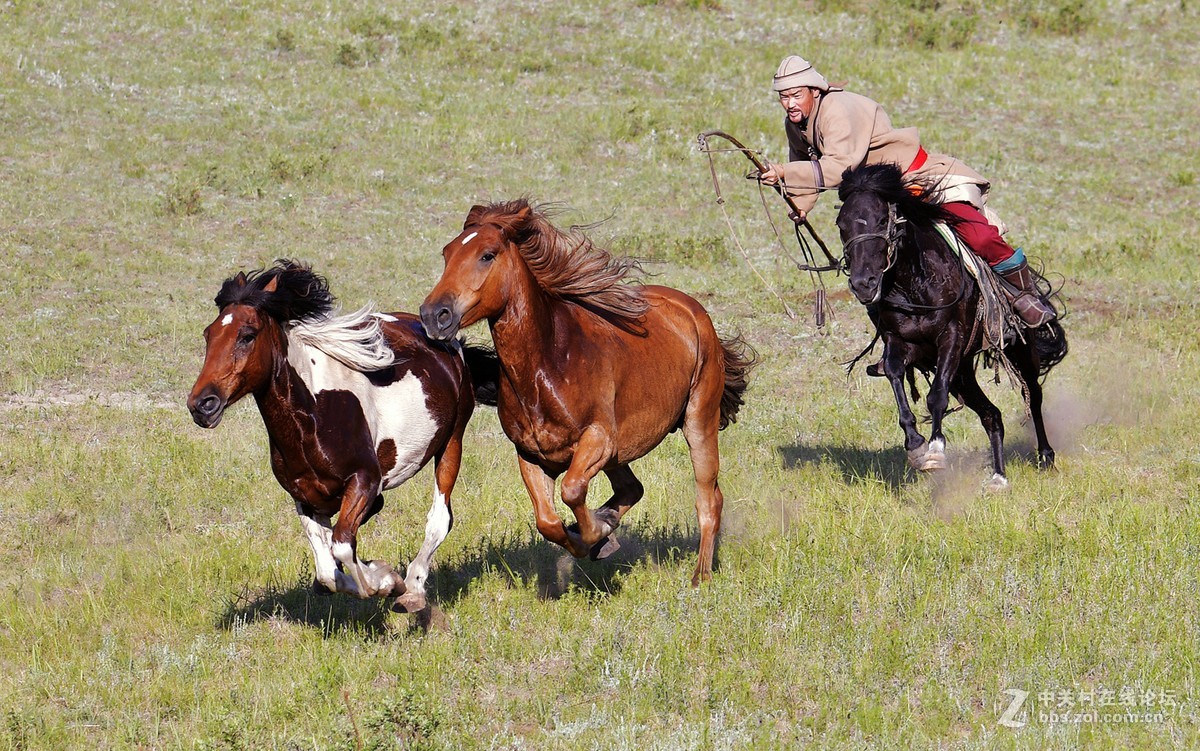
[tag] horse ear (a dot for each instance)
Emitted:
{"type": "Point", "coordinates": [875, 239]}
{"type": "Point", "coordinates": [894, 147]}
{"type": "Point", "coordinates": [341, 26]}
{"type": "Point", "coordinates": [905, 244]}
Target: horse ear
{"type": "Point", "coordinates": [240, 279]}
{"type": "Point", "coordinates": [473, 215]}
{"type": "Point", "coordinates": [272, 285]}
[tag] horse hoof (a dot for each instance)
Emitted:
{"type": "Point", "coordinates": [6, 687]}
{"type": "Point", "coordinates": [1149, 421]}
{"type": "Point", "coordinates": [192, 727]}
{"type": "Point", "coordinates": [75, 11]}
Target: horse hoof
{"type": "Point", "coordinates": [932, 462]}
{"type": "Point", "coordinates": [997, 484]}
{"type": "Point", "coordinates": [383, 578]}
{"type": "Point", "coordinates": [917, 456]}
{"type": "Point", "coordinates": [934, 457]}
{"type": "Point", "coordinates": [604, 548]}
{"type": "Point", "coordinates": [608, 519]}
{"type": "Point", "coordinates": [574, 544]}
{"type": "Point", "coordinates": [1046, 460]}
{"type": "Point", "coordinates": [409, 602]}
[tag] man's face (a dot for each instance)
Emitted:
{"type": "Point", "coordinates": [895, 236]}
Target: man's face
{"type": "Point", "coordinates": [797, 103]}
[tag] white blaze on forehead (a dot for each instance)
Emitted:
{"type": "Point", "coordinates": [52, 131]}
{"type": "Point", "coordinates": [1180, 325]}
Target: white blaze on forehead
{"type": "Point", "coordinates": [228, 319]}
{"type": "Point", "coordinates": [469, 238]}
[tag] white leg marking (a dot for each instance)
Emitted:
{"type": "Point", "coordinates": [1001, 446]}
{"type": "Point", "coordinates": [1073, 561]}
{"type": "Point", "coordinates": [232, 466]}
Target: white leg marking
{"type": "Point", "coordinates": [997, 484]}
{"type": "Point", "coordinates": [352, 579]}
{"type": "Point", "coordinates": [437, 526]}
{"type": "Point", "coordinates": [937, 446]}
{"type": "Point", "coordinates": [320, 535]}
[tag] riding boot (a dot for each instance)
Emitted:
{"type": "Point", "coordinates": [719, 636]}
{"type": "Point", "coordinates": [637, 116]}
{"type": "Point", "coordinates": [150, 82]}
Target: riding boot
{"type": "Point", "coordinates": [1026, 301]}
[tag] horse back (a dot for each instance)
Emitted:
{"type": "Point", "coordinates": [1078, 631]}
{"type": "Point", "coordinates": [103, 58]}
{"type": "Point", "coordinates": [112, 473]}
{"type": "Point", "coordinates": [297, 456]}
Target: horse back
{"type": "Point", "coordinates": [412, 407]}
{"type": "Point", "coordinates": [658, 372]}
{"type": "Point", "coordinates": [438, 365]}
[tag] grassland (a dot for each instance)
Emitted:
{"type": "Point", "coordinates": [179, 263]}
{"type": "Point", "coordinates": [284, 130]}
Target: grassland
{"type": "Point", "coordinates": [155, 584]}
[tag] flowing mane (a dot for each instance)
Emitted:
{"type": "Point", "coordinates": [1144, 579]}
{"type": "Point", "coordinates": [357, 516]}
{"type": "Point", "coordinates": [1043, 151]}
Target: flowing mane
{"type": "Point", "coordinates": [566, 264]}
{"type": "Point", "coordinates": [888, 182]}
{"type": "Point", "coordinates": [302, 304]}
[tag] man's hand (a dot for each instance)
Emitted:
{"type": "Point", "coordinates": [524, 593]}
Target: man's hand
{"type": "Point", "coordinates": [798, 218]}
{"type": "Point", "coordinates": [772, 174]}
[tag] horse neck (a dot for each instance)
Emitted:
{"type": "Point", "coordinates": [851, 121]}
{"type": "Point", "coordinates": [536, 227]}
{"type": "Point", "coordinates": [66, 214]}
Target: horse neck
{"type": "Point", "coordinates": [525, 331]}
{"type": "Point", "coordinates": [283, 397]}
{"type": "Point", "coordinates": [919, 253]}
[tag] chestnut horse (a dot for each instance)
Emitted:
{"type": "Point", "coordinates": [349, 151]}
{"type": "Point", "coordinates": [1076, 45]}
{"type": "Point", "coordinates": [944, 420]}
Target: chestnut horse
{"type": "Point", "coordinates": [593, 373]}
{"type": "Point", "coordinates": [353, 405]}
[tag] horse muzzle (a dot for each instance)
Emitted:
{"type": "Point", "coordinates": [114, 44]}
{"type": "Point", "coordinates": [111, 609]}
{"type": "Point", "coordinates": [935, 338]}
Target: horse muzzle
{"type": "Point", "coordinates": [440, 319]}
{"type": "Point", "coordinates": [207, 409]}
{"type": "Point", "coordinates": [867, 291]}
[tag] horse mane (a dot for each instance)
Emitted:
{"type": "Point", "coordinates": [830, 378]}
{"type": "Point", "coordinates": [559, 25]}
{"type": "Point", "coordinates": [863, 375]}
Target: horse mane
{"type": "Point", "coordinates": [566, 264]}
{"type": "Point", "coordinates": [302, 304]}
{"type": "Point", "coordinates": [299, 294]}
{"type": "Point", "coordinates": [910, 195]}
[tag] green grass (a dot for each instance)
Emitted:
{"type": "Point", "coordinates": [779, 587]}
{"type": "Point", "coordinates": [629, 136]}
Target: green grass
{"type": "Point", "coordinates": [155, 583]}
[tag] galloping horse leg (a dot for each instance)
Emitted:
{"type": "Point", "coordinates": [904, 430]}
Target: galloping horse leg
{"type": "Point", "coordinates": [895, 366]}
{"type": "Point", "coordinates": [540, 487]}
{"type": "Point", "coordinates": [1022, 356]}
{"type": "Point", "coordinates": [437, 525]}
{"type": "Point", "coordinates": [938, 398]}
{"type": "Point", "coordinates": [320, 537]}
{"type": "Point", "coordinates": [966, 385]}
{"type": "Point", "coordinates": [701, 423]}
{"type": "Point", "coordinates": [369, 578]}
{"type": "Point", "coordinates": [700, 432]}
{"type": "Point", "coordinates": [593, 450]}
{"type": "Point", "coordinates": [627, 491]}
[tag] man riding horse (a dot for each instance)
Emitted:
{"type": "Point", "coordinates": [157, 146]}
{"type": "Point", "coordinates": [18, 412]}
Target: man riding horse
{"type": "Point", "coordinates": [830, 130]}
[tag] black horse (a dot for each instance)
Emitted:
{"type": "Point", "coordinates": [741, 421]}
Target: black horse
{"type": "Point", "coordinates": [924, 303]}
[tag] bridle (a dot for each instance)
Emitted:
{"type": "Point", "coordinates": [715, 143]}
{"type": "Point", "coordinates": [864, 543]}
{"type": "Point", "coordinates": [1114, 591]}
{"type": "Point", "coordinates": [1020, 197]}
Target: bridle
{"type": "Point", "coordinates": [891, 235]}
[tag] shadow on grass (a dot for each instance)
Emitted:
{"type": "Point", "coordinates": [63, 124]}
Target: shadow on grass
{"type": "Point", "coordinates": [547, 567]}
{"type": "Point", "coordinates": [295, 602]}
{"type": "Point", "coordinates": [968, 468]}
{"type": "Point", "coordinates": [856, 464]}
{"type": "Point", "coordinates": [554, 573]}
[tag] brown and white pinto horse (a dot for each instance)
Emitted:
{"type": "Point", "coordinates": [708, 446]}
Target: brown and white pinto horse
{"type": "Point", "coordinates": [353, 405]}
{"type": "Point", "coordinates": [593, 373]}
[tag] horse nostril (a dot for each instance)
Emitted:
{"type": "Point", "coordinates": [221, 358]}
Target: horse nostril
{"type": "Point", "coordinates": [443, 317]}
{"type": "Point", "coordinates": [208, 405]}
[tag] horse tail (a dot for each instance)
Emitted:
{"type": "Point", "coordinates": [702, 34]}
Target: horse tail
{"type": "Point", "coordinates": [1050, 344]}
{"type": "Point", "coordinates": [740, 358]}
{"type": "Point", "coordinates": [1050, 340]}
{"type": "Point", "coordinates": [484, 367]}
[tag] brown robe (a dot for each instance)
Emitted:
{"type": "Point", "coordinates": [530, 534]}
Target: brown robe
{"type": "Point", "coordinates": [848, 130]}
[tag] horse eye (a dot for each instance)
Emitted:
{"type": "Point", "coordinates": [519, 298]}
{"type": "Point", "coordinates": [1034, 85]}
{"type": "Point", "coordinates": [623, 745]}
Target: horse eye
{"type": "Point", "coordinates": [488, 257]}
{"type": "Point", "coordinates": [246, 337]}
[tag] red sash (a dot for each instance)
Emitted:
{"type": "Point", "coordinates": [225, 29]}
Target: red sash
{"type": "Point", "coordinates": [918, 161]}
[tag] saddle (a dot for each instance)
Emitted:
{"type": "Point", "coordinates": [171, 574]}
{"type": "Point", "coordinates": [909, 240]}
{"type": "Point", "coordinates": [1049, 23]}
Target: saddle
{"type": "Point", "coordinates": [1001, 325]}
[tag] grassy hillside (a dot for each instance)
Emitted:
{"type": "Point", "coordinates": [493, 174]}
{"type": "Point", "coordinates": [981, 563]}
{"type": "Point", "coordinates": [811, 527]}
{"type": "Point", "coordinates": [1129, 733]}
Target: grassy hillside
{"type": "Point", "coordinates": [156, 583]}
